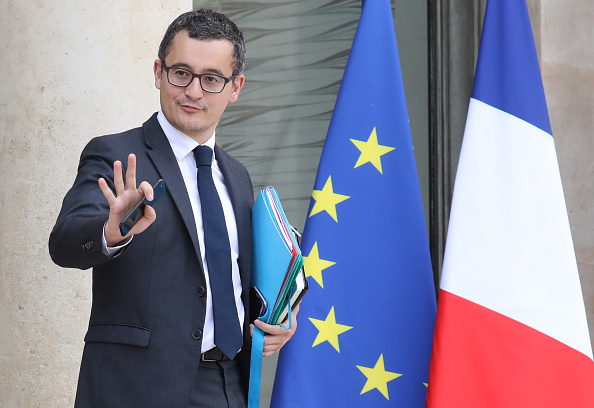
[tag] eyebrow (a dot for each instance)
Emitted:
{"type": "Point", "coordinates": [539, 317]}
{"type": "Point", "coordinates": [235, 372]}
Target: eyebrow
{"type": "Point", "coordinates": [215, 71]}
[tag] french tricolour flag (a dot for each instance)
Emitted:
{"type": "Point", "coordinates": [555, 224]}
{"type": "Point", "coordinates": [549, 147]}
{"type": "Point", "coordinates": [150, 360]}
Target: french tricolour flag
{"type": "Point", "coordinates": [511, 326]}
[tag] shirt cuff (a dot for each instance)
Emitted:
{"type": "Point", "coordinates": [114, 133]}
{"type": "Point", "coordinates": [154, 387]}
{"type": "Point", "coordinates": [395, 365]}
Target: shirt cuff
{"type": "Point", "coordinates": [115, 250]}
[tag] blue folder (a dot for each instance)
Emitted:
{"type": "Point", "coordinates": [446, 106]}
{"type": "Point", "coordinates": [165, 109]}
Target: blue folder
{"type": "Point", "coordinates": [277, 259]}
{"type": "Point", "coordinates": [277, 262]}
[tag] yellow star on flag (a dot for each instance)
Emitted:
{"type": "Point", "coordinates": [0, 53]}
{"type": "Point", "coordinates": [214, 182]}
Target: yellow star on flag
{"type": "Point", "coordinates": [313, 265]}
{"type": "Point", "coordinates": [371, 151]}
{"type": "Point", "coordinates": [378, 377]}
{"type": "Point", "coordinates": [329, 330]}
{"type": "Point", "coordinates": [326, 200]}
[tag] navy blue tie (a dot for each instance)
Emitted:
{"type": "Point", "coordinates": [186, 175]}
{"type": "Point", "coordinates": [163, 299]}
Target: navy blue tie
{"type": "Point", "coordinates": [227, 331]}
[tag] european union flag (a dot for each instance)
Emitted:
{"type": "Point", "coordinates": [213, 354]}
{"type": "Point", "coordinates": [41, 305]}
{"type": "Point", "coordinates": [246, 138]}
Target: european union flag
{"type": "Point", "coordinates": [366, 325]}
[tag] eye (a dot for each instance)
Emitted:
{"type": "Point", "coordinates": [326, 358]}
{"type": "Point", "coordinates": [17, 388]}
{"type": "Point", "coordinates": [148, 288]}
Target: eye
{"type": "Point", "coordinates": [212, 79]}
{"type": "Point", "coordinates": [180, 73]}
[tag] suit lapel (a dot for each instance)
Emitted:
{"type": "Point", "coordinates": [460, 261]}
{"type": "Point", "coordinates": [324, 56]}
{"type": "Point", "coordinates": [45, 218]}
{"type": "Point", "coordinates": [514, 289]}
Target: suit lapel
{"type": "Point", "coordinates": [239, 187]}
{"type": "Point", "coordinates": [160, 152]}
{"type": "Point", "coordinates": [231, 177]}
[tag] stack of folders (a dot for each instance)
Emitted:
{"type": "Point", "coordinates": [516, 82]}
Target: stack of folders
{"type": "Point", "coordinates": [278, 281]}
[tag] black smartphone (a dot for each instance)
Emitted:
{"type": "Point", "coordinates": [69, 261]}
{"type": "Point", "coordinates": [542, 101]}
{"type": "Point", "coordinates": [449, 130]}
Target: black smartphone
{"type": "Point", "coordinates": [138, 211]}
{"type": "Point", "coordinates": [258, 304]}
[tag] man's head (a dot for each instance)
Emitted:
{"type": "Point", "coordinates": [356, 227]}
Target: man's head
{"type": "Point", "coordinates": [206, 24]}
{"type": "Point", "coordinates": [199, 71]}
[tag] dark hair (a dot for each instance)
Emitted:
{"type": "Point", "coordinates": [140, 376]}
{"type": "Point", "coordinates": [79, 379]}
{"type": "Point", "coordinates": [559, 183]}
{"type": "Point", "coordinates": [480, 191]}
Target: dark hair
{"type": "Point", "coordinates": [206, 24]}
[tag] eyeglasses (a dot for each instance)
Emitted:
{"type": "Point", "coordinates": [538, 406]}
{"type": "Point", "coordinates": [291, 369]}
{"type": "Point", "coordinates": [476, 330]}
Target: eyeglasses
{"type": "Point", "coordinates": [209, 82]}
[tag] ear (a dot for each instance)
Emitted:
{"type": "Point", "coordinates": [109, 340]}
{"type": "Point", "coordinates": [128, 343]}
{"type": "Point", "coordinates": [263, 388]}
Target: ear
{"type": "Point", "coordinates": [237, 84]}
{"type": "Point", "coordinates": [158, 71]}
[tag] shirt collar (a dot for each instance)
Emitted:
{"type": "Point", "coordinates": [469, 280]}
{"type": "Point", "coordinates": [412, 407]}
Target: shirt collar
{"type": "Point", "coordinates": [181, 144]}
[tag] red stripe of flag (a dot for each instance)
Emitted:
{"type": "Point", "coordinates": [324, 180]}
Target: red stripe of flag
{"type": "Point", "coordinates": [479, 352]}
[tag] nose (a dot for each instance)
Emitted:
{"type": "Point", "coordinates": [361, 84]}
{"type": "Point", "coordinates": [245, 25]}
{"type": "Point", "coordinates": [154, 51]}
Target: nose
{"type": "Point", "coordinates": [194, 90]}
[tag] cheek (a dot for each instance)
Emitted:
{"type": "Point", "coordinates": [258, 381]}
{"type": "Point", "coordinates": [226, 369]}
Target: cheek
{"type": "Point", "coordinates": [218, 107]}
{"type": "Point", "coordinates": [169, 94]}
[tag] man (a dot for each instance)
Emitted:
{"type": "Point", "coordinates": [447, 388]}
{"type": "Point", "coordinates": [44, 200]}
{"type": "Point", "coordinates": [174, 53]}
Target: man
{"type": "Point", "coordinates": [152, 339]}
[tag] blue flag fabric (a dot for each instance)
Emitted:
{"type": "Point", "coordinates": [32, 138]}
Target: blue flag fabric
{"type": "Point", "coordinates": [507, 72]}
{"type": "Point", "coordinates": [365, 327]}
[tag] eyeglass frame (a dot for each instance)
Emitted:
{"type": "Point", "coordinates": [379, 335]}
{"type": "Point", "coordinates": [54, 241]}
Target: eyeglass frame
{"type": "Point", "coordinates": [199, 76]}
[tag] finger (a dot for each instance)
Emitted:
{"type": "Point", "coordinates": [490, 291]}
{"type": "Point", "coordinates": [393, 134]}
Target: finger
{"type": "Point", "coordinates": [118, 178]}
{"type": "Point", "coordinates": [273, 345]}
{"type": "Point", "coordinates": [131, 172]}
{"type": "Point", "coordinates": [148, 218]}
{"type": "Point", "coordinates": [268, 328]}
{"type": "Point", "coordinates": [146, 190]}
{"type": "Point", "coordinates": [274, 341]}
{"type": "Point", "coordinates": [294, 317]}
{"type": "Point", "coordinates": [277, 335]}
{"type": "Point", "coordinates": [150, 214]}
{"type": "Point", "coordinates": [267, 353]}
{"type": "Point", "coordinates": [107, 193]}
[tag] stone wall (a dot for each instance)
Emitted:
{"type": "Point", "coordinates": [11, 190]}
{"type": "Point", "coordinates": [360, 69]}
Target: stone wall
{"type": "Point", "coordinates": [72, 70]}
{"type": "Point", "coordinates": [567, 63]}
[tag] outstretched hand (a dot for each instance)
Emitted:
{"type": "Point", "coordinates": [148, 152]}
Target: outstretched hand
{"type": "Point", "coordinates": [276, 336]}
{"type": "Point", "coordinates": [125, 198]}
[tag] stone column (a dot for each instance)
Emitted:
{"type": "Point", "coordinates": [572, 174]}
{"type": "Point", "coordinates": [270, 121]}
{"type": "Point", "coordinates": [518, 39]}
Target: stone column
{"type": "Point", "coordinates": [72, 70]}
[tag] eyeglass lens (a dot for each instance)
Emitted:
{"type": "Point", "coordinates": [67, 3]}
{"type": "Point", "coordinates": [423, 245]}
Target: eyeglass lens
{"type": "Point", "coordinates": [209, 82]}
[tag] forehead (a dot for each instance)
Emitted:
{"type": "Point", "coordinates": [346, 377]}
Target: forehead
{"type": "Point", "coordinates": [201, 55]}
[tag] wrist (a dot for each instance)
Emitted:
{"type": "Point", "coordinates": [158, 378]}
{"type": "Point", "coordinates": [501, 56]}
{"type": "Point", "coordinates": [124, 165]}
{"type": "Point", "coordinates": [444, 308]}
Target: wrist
{"type": "Point", "coordinates": [113, 239]}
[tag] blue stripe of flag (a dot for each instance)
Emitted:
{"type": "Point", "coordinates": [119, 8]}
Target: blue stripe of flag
{"type": "Point", "coordinates": [507, 74]}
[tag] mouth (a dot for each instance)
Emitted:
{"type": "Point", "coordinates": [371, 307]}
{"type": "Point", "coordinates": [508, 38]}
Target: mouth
{"type": "Point", "coordinates": [188, 107]}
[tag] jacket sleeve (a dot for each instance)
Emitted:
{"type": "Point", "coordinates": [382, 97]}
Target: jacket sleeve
{"type": "Point", "coordinates": [75, 241]}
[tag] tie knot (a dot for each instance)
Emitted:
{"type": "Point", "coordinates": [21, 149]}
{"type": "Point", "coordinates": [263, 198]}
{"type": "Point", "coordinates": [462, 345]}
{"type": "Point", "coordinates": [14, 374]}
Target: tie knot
{"type": "Point", "coordinates": [203, 156]}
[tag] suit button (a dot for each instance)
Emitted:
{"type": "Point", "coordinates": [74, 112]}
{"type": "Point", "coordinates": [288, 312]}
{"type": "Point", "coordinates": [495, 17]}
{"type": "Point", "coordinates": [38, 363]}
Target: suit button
{"type": "Point", "coordinates": [197, 334]}
{"type": "Point", "coordinates": [201, 291]}
{"type": "Point", "coordinates": [88, 245]}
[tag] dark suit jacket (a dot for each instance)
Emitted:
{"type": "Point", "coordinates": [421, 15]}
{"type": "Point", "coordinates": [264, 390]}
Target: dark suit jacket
{"type": "Point", "coordinates": [142, 347]}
